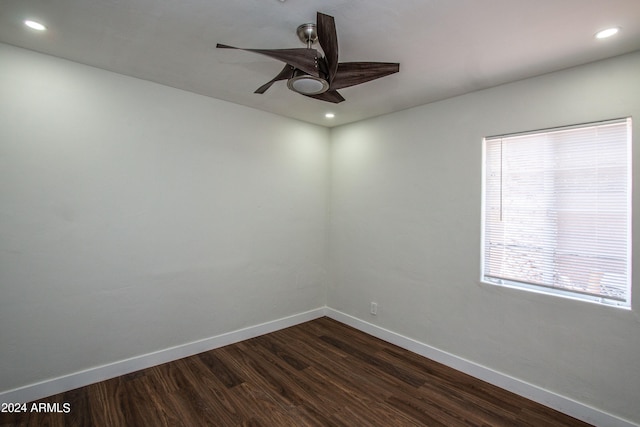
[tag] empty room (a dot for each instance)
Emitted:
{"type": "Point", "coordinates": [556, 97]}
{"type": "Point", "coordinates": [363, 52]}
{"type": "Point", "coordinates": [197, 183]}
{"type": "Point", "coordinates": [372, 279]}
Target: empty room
{"type": "Point", "coordinates": [276, 212]}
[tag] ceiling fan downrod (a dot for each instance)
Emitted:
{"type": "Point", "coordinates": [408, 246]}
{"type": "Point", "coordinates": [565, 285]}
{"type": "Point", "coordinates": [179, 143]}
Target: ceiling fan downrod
{"type": "Point", "coordinates": [308, 34]}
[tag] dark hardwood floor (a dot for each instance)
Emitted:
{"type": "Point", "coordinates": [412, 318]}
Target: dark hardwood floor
{"type": "Point", "coordinates": [320, 373]}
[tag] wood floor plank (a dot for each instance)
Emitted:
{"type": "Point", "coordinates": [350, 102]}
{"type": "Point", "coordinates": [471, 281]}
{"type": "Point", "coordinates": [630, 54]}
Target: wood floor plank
{"type": "Point", "coordinates": [105, 403]}
{"type": "Point", "coordinates": [261, 368]}
{"type": "Point", "coordinates": [479, 392]}
{"type": "Point", "coordinates": [358, 406]}
{"type": "Point", "coordinates": [308, 392]}
{"type": "Point", "coordinates": [222, 371]}
{"type": "Point", "coordinates": [438, 390]}
{"type": "Point", "coordinates": [366, 382]}
{"type": "Point", "coordinates": [319, 373]}
{"type": "Point", "coordinates": [279, 350]}
{"type": "Point", "coordinates": [372, 360]}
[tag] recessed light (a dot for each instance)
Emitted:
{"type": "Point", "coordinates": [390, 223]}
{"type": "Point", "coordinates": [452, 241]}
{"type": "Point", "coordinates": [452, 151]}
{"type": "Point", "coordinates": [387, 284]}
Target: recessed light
{"type": "Point", "coordinates": [608, 32]}
{"type": "Point", "coordinates": [329, 115]}
{"type": "Point", "coordinates": [35, 25]}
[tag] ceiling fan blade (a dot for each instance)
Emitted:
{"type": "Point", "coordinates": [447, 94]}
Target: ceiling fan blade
{"type": "Point", "coordinates": [301, 58]}
{"type": "Point", "coordinates": [329, 96]}
{"type": "Point", "coordinates": [285, 74]}
{"type": "Point", "coordinates": [328, 38]}
{"type": "Point", "coordinates": [354, 73]}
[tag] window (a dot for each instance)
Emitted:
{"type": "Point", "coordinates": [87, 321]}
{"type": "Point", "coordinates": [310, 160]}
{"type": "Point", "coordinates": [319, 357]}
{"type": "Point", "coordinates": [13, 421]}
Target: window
{"type": "Point", "coordinates": [557, 211]}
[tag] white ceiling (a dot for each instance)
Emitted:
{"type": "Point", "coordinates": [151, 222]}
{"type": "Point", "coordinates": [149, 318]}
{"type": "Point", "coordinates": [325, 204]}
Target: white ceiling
{"type": "Point", "coordinates": [444, 47]}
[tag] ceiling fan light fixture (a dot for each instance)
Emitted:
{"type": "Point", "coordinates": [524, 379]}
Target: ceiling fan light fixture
{"type": "Point", "coordinates": [308, 85]}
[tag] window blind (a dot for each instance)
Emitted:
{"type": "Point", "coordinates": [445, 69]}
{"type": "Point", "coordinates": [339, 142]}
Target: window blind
{"type": "Point", "coordinates": [556, 213]}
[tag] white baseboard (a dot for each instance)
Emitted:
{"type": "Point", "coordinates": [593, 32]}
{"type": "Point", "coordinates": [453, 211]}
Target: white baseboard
{"type": "Point", "coordinates": [79, 379]}
{"type": "Point", "coordinates": [537, 394]}
{"type": "Point", "coordinates": [64, 383]}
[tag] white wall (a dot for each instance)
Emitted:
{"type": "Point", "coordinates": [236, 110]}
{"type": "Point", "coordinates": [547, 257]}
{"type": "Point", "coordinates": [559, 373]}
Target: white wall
{"type": "Point", "coordinates": [135, 217]}
{"type": "Point", "coordinates": [405, 233]}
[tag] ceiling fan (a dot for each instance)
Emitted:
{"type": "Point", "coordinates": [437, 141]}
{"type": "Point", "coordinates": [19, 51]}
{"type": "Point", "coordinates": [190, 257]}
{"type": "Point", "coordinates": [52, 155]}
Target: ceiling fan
{"type": "Point", "coordinates": [316, 76]}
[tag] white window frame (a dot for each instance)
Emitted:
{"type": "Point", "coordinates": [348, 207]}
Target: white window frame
{"type": "Point", "coordinates": [494, 279]}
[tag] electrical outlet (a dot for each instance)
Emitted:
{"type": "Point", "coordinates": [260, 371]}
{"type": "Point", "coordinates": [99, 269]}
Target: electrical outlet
{"type": "Point", "coordinates": [374, 308]}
